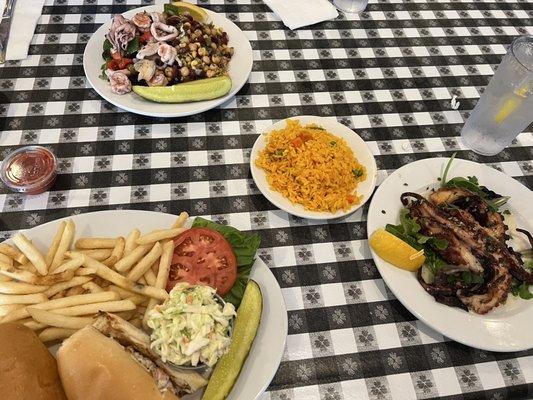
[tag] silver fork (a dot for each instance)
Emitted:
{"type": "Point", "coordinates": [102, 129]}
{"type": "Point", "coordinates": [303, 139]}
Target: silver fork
{"type": "Point", "coordinates": [5, 25]}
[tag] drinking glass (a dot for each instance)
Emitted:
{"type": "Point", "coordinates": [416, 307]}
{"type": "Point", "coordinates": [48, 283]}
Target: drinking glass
{"type": "Point", "coordinates": [350, 6]}
{"type": "Point", "coordinates": [506, 107]}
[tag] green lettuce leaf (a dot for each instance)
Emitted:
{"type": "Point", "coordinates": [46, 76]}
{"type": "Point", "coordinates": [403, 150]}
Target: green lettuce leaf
{"type": "Point", "coordinates": [244, 246]}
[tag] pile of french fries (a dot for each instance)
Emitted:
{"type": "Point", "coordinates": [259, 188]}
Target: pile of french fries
{"type": "Point", "coordinates": [59, 292]}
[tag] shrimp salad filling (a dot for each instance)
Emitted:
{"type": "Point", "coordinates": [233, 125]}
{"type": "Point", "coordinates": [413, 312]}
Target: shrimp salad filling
{"type": "Point", "coordinates": [162, 49]}
{"type": "Point", "coordinates": [191, 327]}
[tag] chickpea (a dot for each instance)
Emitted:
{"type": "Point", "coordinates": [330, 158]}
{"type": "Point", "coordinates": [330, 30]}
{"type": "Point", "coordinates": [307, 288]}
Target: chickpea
{"type": "Point", "coordinates": [213, 67]}
{"type": "Point", "coordinates": [184, 40]}
{"type": "Point", "coordinates": [231, 50]}
{"type": "Point", "coordinates": [213, 45]}
{"type": "Point", "coordinates": [194, 54]}
{"type": "Point", "coordinates": [207, 31]}
{"type": "Point", "coordinates": [184, 71]}
{"type": "Point", "coordinates": [193, 46]}
{"type": "Point", "coordinates": [187, 25]}
{"type": "Point", "coordinates": [206, 60]}
{"type": "Point", "coordinates": [188, 59]}
{"type": "Point", "coordinates": [215, 59]}
{"type": "Point", "coordinates": [169, 73]}
{"type": "Point", "coordinates": [210, 73]}
{"type": "Point", "coordinates": [194, 63]}
{"type": "Point", "coordinates": [198, 32]}
{"type": "Point", "coordinates": [183, 45]}
{"type": "Point", "coordinates": [202, 51]}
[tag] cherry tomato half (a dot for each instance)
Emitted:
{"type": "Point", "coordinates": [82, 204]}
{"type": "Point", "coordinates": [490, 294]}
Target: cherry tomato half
{"type": "Point", "coordinates": [202, 255]}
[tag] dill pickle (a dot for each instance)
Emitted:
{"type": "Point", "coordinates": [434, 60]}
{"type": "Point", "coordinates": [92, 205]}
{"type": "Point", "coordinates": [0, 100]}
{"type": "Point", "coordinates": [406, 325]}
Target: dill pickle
{"type": "Point", "coordinates": [229, 366]}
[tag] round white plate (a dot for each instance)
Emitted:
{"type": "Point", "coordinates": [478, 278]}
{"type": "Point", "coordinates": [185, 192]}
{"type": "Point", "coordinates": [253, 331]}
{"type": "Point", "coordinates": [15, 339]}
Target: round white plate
{"type": "Point", "coordinates": [267, 349]}
{"type": "Point", "coordinates": [505, 328]}
{"type": "Point", "coordinates": [239, 69]}
{"type": "Point", "coordinates": [359, 147]}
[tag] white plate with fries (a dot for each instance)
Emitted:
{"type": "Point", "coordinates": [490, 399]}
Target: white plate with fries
{"type": "Point", "coordinates": [57, 304]}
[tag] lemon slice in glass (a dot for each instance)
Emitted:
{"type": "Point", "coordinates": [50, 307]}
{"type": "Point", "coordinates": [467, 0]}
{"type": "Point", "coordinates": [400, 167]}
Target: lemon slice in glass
{"type": "Point", "coordinates": [395, 251]}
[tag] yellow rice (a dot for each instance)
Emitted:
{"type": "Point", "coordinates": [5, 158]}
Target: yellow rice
{"type": "Point", "coordinates": [320, 172]}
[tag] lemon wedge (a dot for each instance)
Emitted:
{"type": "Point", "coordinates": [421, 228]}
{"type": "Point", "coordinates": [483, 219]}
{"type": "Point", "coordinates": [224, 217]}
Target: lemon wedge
{"type": "Point", "coordinates": [198, 13]}
{"type": "Point", "coordinates": [395, 251]}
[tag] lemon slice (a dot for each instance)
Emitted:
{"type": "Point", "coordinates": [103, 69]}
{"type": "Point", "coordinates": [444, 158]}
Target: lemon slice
{"type": "Point", "coordinates": [196, 12]}
{"type": "Point", "coordinates": [395, 251]}
{"type": "Point", "coordinates": [203, 89]}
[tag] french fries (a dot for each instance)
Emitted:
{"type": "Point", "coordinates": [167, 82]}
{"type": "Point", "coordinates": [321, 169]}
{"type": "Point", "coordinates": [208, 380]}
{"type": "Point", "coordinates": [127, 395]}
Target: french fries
{"type": "Point", "coordinates": [31, 252]}
{"type": "Point", "coordinates": [20, 288]}
{"type": "Point", "coordinates": [71, 265]}
{"type": "Point", "coordinates": [136, 254]}
{"type": "Point", "coordinates": [92, 287]}
{"type": "Point", "coordinates": [162, 275]}
{"type": "Point", "coordinates": [130, 241]}
{"type": "Point", "coordinates": [97, 254]}
{"type": "Point", "coordinates": [181, 220]}
{"type": "Point", "coordinates": [6, 259]}
{"type": "Point", "coordinates": [94, 308]}
{"type": "Point", "coordinates": [13, 253]}
{"type": "Point", "coordinates": [22, 298]}
{"type": "Point", "coordinates": [21, 313]}
{"type": "Point", "coordinates": [60, 290]}
{"type": "Point", "coordinates": [146, 263]}
{"type": "Point", "coordinates": [117, 253]}
{"type": "Point", "coordinates": [162, 234]}
{"type": "Point", "coordinates": [58, 320]}
{"type": "Point", "coordinates": [125, 283]}
{"type": "Point", "coordinates": [64, 244]}
{"type": "Point", "coordinates": [52, 250]}
{"type": "Point", "coordinates": [51, 334]}
{"type": "Point", "coordinates": [7, 308]}
{"type": "Point", "coordinates": [96, 243]}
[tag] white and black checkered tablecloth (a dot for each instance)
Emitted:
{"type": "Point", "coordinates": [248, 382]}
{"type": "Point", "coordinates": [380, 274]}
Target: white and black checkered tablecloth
{"type": "Point", "coordinates": [388, 73]}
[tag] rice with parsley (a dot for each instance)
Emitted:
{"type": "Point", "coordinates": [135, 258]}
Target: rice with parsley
{"type": "Point", "coordinates": [311, 167]}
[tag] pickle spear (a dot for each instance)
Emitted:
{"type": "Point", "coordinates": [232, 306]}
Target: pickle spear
{"type": "Point", "coordinates": [229, 366]}
{"type": "Point", "coordinates": [202, 89]}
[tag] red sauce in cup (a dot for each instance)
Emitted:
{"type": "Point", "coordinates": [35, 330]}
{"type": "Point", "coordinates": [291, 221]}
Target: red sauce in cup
{"type": "Point", "coordinates": [30, 170]}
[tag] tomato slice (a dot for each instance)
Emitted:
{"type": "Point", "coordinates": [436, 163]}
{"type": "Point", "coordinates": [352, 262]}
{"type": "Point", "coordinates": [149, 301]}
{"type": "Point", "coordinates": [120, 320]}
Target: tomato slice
{"type": "Point", "coordinates": [202, 255]}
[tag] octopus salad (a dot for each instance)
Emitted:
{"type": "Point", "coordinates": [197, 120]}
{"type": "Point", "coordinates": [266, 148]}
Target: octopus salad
{"type": "Point", "coordinates": [162, 49]}
{"type": "Point", "coordinates": [464, 236]}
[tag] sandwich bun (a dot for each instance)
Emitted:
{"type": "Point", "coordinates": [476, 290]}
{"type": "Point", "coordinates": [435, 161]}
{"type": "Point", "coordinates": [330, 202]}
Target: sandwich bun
{"type": "Point", "coordinates": [27, 370]}
{"type": "Point", "coordinates": [95, 367]}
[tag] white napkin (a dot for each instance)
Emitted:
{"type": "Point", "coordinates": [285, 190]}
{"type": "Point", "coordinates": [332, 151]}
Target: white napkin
{"type": "Point", "coordinates": [298, 13]}
{"type": "Point", "coordinates": [23, 23]}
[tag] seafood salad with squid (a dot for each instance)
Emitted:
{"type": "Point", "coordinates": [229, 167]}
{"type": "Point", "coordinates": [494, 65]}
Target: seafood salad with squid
{"type": "Point", "coordinates": [162, 49]}
{"type": "Point", "coordinates": [464, 233]}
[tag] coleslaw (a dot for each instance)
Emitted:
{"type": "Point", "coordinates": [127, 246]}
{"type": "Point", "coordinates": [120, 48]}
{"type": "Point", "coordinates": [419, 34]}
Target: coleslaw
{"type": "Point", "coordinates": [191, 327]}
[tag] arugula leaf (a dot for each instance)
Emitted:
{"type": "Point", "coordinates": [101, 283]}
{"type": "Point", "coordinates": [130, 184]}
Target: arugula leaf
{"type": "Point", "coordinates": [469, 278]}
{"type": "Point", "coordinates": [107, 46]}
{"type": "Point", "coordinates": [133, 46]}
{"type": "Point", "coordinates": [528, 264]}
{"type": "Point", "coordinates": [171, 9]}
{"type": "Point", "coordinates": [244, 246]}
{"type": "Point", "coordinates": [103, 69]}
{"type": "Point", "coordinates": [521, 290]}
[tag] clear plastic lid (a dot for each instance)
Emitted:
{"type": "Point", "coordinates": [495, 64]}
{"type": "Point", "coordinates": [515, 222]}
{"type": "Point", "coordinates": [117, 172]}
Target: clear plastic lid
{"type": "Point", "coordinates": [30, 169]}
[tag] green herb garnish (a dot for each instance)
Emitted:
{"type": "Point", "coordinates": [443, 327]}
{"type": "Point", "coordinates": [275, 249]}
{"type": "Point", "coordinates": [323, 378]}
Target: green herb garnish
{"type": "Point", "coordinates": [333, 143]}
{"type": "Point", "coordinates": [133, 46]}
{"type": "Point", "coordinates": [357, 172]}
{"type": "Point", "coordinates": [107, 46]}
{"type": "Point", "coordinates": [521, 289]}
{"type": "Point", "coordinates": [471, 184]}
{"type": "Point", "coordinates": [279, 153]}
{"type": "Point", "coordinates": [469, 278]}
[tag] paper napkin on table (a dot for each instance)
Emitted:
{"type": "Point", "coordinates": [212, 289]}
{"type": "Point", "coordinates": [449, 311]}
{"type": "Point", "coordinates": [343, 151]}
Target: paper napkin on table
{"type": "Point", "coordinates": [23, 23]}
{"type": "Point", "coordinates": [298, 13]}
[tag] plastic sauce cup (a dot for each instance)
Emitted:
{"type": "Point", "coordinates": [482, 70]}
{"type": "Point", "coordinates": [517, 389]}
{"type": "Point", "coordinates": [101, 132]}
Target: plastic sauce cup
{"type": "Point", "coordinates": [30, 170]}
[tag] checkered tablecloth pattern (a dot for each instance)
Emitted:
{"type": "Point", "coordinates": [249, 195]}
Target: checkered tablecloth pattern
{"type": "Point", "coordinates": [388, 73]}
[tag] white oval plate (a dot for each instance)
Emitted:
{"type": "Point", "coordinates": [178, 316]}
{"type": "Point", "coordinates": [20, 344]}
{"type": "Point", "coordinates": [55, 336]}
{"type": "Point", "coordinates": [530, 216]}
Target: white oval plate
{"type": "Point", "coordinates": [359, 147]}
{"type": "Point", "coordinates": [267, 349]}
{"type": "Point", "coordinates": [239, 70]}
{"type": "Point", "coordinates": [505, 328]}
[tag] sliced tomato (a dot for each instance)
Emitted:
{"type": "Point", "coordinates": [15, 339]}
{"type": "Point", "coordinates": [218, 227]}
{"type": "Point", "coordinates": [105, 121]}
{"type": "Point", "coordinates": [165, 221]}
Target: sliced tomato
{"type": "Point", "coordinates": [145, 37]}
{"type": "Point", "coordinates": [204, 256]}
{"type": "Point", "coordinates": [117, 64]}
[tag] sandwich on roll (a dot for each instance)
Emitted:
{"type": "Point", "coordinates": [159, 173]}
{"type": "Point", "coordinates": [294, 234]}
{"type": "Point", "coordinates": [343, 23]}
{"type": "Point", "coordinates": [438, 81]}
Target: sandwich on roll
{"type": "Point", "coordinates": [112, 360]}
{"type": "Point", "coordinates": [27, 369]}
